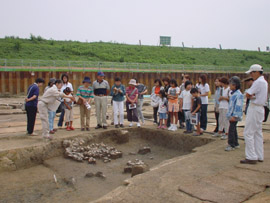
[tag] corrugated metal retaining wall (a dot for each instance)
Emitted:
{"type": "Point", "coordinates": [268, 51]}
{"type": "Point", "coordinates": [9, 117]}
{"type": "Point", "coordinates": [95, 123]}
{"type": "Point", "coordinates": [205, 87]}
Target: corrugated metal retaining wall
{"type": "Point", "coordinates": [16, 83]}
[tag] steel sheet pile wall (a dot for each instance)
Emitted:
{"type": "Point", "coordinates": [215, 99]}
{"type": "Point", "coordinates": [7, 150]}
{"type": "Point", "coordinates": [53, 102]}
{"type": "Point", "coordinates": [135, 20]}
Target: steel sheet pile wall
{"type": "Point", "coordinates": [16, 83]}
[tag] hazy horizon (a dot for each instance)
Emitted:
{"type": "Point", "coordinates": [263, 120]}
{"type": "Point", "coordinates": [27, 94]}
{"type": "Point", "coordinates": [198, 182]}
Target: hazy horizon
{"type": "Point", "coordinates": [235, 24]}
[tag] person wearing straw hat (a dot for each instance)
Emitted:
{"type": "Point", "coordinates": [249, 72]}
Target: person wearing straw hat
{"type": "Point", "coordinates": [257, 94]}
{"type": "Point", "coordinates": [131, 104]}
{"type": "Point", "coordinates": [101, 89]}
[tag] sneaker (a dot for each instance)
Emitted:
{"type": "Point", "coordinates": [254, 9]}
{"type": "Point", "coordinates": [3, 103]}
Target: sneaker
{"type": "Point", "coordinates": [71, 128]}
{"type": "Point", "coordinates": [138, 125]}
{"type": "Point", "coordinates": [229, 148]}
{"type": "Point", "coordinates": [159, 127]}
{"type": "Point", "coordinates": [182, 126]}
{"type": "Point", "coordinates": [202, 130]}
{"type": "Point", "coordinates": [121, 125]}
{"type": "Point", "coordinates": [174, 128]}
{"type": "Point", "coordinates": [224, 137]}
{"type": "Point", "coordinates": [130, 125]}
{"type": "Point", "coordinates": [171, 127]}
{"type": "Point", "coordinates": [164, 127]}
{"type": "Point", "coordinates": [216, 135]}
{"type": "Point", "coordinates": [116, 126]}
{"type": "Point", "coordinates": [68, 129]}
{"type": "Point", "coordinates": [237, 147]}
{"type": "Point", "coordinates": [98, 127]}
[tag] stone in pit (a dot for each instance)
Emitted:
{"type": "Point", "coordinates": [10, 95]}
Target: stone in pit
{"type": "Point", "coordinates": [144, 150]}
{"type": "Point", "coordinates": [139, 169]}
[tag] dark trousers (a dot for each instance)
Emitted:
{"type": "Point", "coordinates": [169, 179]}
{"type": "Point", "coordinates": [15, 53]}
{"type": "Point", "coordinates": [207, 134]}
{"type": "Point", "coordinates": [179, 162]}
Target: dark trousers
{"type": "Point", "coordinates": [132, 114]}
{"type": "Point", "coordinates": [204, 116]}
{"type": "Point", "coordinates": [217, 118]}
{"type": "Point", "coordinates": [31, 112]}
{"type": "Point", "coordinates": [169, 121]}
{"type": "Point", "coordinates": [155, 109]}
{"type": "Point", "coordinates": [181, 117]}
{"type": "Point", "coordinates": [233, 136]}
{"type": "Point", "coordinates": [61, 119]}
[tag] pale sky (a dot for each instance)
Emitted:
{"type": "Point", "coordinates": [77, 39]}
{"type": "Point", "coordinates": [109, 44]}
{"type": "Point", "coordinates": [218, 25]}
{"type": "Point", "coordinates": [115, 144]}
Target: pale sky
{"type": "Point", "coordinates": [240, 24]}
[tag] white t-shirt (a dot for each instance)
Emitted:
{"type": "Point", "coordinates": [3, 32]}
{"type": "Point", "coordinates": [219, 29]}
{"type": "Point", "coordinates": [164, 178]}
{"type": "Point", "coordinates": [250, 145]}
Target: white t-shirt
{"type": "Point", "coordinates": [203, 89]}
{"type": "Point", "coordinates": [260, 89]}
{"type": "Point", "coordinates": [67, 85]}
{"type": "Point", "coordinates": [224, 104]}
{"type": "Point", "coordinates": [162, 108]}
{"type": "Point", "coordinates": [186, 96]}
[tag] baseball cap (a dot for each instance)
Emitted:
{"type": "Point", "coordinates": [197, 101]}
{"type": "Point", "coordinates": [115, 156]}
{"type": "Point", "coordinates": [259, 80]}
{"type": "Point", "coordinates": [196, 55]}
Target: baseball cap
{"type": "Point", "coordinates": [87, 80]}
{"type": "Point", "coordinates": [101, 74]}
{"type": "Point", "coordinates": [255, 67]}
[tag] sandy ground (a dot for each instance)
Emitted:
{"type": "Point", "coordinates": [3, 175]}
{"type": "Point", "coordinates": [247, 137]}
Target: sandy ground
{"type": "Point", "coordinates": [209, 175]}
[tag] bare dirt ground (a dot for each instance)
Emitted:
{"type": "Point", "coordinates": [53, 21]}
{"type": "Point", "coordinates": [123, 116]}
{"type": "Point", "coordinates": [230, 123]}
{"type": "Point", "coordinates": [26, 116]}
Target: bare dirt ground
{"type": "Point", "coordinates": [208, 175]}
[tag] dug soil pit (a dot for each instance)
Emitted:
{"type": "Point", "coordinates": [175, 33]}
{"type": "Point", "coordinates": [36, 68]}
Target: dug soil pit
{"type": "Point", "coordinates": [90, 168]}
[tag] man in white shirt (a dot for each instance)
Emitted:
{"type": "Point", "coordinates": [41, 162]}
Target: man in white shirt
{"type": "Point", "coordinates": [255, 116]}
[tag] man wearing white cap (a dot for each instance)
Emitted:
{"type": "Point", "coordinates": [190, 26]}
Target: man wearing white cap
{"type": "Point", "coordinates": [255, 116]}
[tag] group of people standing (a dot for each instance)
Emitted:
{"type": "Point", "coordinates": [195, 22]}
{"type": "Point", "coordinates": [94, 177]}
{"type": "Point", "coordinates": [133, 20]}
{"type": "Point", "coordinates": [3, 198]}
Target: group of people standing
{"type": "Point", "coordinates": [176, 104]}
{"type": "Point", "coordinates": [59, 97]}
{"type": "Point", "coordinates": [186, 104]}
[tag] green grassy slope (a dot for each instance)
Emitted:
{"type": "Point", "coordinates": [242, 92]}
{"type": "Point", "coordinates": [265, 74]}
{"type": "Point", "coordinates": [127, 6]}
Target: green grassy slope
{"type": "Point", "coordinates": [38, 48]}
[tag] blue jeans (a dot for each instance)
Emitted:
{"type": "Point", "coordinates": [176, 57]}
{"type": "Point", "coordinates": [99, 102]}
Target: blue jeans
{"type": "Point", "coordinates": [204, 116]}
{"type": "Point", "coordinates": [51, 115]}
{"type": "Point", "coordinates": [61, 119]}
{"type": "Point", "coordinates": [189, 126]}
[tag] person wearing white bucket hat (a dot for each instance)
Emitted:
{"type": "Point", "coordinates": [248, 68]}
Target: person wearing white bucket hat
{"type": "Point", "coordinates": [255, 116]}
{"type": "Point", "coordinates": [131, 104]}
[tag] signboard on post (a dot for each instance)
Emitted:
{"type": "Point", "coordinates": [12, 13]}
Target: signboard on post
{"type": "Point", "coordinates": [165, 40]}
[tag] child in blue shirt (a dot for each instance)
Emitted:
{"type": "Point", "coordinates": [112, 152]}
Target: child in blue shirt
{"type": "Point", "coordinates": [235, 112]}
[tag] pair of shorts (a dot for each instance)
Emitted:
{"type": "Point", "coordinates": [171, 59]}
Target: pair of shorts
{"type": "Point", "coordinates": [173, 107]}
{"type": "Point", "coordinates": [68, 115]}
{"type": "Point", "coordinates": [163, 116]}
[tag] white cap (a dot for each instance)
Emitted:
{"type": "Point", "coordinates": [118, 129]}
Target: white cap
{"type": "Point", "coordinates": [132, 82]}
{"type": "Point", "coordinates": [255, 67]}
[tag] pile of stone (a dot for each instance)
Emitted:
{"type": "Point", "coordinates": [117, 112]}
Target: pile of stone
{"type": "Point", "coordinates": [136, 167]}
{"type": "Point", "coordinates": [76, 150]}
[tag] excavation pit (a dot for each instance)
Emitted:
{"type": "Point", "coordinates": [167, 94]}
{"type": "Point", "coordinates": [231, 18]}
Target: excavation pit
{"type": "Point", "coordinates": [61, 179]}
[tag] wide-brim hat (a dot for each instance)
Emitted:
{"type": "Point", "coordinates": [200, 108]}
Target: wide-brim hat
{"type": "Point", "coordinates": [254, 67]}
{"type": "Point", "coordinates": [86, 80]}
{"type": "Point", "coordinates": [132, 82]}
